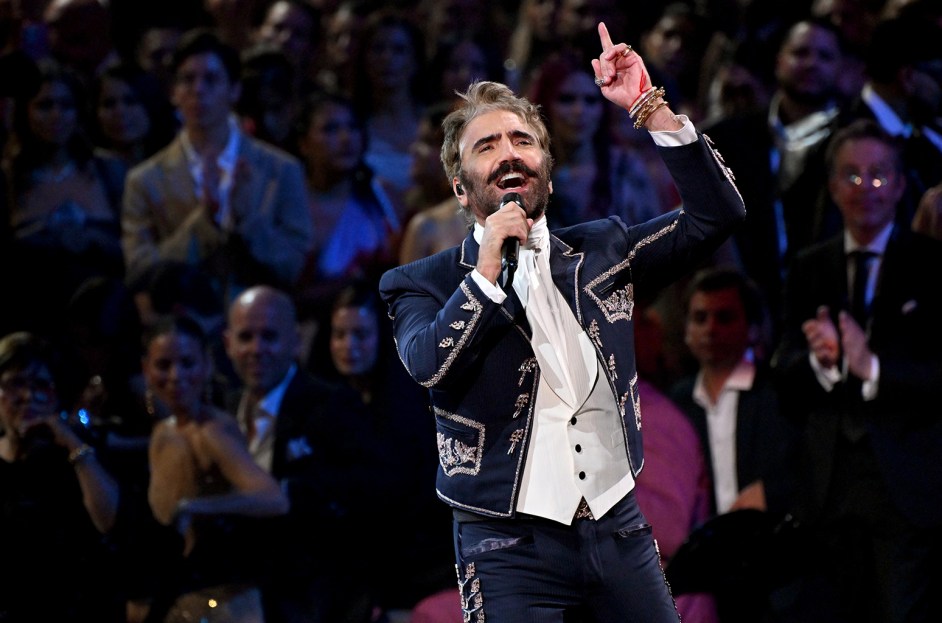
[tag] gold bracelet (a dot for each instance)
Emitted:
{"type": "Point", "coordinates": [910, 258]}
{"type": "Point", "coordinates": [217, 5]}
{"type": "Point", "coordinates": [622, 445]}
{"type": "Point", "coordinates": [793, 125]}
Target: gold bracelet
{"type": "Point", "coordinates": [639, 101]}
{"type": "Point", "coordinates": [647, 113]}
{"type": "Point", "coordinates": [646, 99]}
{"type": "Point", "coordinates": [81, 453]}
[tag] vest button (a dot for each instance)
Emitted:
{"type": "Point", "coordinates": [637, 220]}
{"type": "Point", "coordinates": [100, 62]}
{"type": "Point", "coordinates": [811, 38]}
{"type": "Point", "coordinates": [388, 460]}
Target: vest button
{"type": "Point", "coordinates": [573, 420]}
{"type": "Point", "coordinates": [578, 448]}
{"type": "Point", "coordinates": [581, 475]}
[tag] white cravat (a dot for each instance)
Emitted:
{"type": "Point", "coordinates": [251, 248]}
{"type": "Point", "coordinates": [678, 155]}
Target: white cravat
{"type": "Point", "coordinates": [555, 331]}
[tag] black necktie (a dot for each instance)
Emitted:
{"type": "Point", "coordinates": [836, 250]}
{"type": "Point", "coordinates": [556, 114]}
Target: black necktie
{"type": "Point", "coordinates": [859, 305]}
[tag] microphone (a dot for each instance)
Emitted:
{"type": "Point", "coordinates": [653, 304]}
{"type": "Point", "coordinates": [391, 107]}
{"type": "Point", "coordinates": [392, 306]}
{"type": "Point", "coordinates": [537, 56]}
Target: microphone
{"type": "Point", "coordinates": [511, 248]}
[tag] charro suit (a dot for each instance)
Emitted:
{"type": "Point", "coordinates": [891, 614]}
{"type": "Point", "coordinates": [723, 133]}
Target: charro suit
{"type": "Point", "coordinates": [475, 355]}
{"type": "Point", "coordinates": [163, 217]}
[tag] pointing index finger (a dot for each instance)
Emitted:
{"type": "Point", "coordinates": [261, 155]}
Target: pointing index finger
{"type": "Point", "coordinates": [604, 37]}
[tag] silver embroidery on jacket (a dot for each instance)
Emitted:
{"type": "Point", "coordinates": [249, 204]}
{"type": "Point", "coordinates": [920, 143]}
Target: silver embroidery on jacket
{"type": "Point", "coordinates": [526, 368]}
{"type": "Point", "coordinates": [722, 164]}
{"type": "Point", "coordinates": [457, 456]}
{"type": "Point", "coordinates": [471, 305]}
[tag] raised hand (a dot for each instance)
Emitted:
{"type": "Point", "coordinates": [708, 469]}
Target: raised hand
{"type": "Point", "coordinates": [619, 71]}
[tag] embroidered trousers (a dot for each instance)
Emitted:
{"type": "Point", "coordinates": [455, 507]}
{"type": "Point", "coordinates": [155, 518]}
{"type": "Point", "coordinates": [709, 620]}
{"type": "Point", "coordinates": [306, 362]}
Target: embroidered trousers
{"type": "Point", "coordinates": [534, 570]}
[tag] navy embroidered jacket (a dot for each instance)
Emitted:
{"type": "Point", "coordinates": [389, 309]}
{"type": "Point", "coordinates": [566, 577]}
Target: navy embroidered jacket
{"type": "Point", "coordinates": [475, 356]}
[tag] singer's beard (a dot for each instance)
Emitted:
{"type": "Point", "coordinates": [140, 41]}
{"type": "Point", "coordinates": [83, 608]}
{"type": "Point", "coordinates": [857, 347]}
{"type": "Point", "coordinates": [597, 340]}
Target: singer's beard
{"type": "Point", "coordinates": [484, 198]}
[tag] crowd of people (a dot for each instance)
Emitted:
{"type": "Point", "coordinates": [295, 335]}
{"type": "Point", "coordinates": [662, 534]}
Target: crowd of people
{"type": "Point", "coordinates": [203, 413]}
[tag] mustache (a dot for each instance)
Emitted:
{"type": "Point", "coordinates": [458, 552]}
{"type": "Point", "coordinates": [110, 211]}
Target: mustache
{"type": "Point", "coordinates": [517, 166]}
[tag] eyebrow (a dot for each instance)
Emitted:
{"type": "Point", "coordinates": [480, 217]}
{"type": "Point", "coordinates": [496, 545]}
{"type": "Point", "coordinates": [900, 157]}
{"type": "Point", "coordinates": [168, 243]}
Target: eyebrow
{"type": "Point", "coordinates": [493, 137]}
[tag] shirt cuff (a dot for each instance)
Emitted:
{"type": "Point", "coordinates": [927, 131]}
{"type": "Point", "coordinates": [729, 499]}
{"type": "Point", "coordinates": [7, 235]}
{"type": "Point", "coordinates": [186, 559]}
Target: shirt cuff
{"type": "Point", "coordinates": [676, 138]}
{"type": "Point", "coordinates": [827, 377]}
{"type": "Point", "coordinates": [490, 290]}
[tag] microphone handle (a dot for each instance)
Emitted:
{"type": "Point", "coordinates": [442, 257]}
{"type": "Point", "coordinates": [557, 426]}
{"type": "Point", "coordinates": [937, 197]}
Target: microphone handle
{"type": "Point", "coordinates": [511, 251]}
{"type": "Point", "coordinates": [511, 248]}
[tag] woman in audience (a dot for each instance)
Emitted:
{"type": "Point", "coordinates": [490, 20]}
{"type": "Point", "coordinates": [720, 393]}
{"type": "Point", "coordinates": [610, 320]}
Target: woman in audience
{"type": "Point", "coordinates": [390, 79]}
{"type": "Point", "coordinates": [356, 230]}
{"type": "Point", "coordinates": [204, 484]}
{"type": "Point", "coordinates": [133, 119]}
{"type": "Point", "coordinates": [56, 499]}
{"type": "Point", "coordinates": [63, 201]}
{"type": "Point", "coordinates": [355, 349]}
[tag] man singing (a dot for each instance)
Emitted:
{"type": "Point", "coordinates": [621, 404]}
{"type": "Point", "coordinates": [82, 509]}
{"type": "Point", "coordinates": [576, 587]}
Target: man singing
{"type": "Point", "coordinates": [532, 374]}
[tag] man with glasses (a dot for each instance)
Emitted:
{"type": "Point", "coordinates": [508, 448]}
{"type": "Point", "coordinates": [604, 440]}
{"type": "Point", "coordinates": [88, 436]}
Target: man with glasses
{"type": "Point", "coordinates": [861, 367]}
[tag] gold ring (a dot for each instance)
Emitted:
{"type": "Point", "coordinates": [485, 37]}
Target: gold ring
{"type": "Point", "coordinates": [599, 82]}
{"type": "Point", "coordinates": [626, 51]}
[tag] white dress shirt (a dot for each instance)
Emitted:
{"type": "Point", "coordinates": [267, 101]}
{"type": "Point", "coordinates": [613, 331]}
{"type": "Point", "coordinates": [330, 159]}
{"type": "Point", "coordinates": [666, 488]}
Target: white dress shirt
{"type": "Point", "coordinates": [263, 416]}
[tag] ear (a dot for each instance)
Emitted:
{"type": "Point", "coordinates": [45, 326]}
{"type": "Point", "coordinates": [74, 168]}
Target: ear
{"type": "Point", "coordinates": [551, 187]}
{"type": "Point", "coordinates": [459, 192]}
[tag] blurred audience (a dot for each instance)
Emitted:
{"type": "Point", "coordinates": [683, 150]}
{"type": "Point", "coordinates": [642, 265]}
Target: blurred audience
{"type": "Point", "coordinates": [394, 430]}
{"type": "Point", "coordinates": [390, 93]}
{"type": "Point", "coordinates": [63, 200]}
{"type": "Point", "coordinates": [132, 117]}
{"type": "Point", "coordinates": [306, 434]}
{"type": "Point", "coordinates": [356, 228]}
{"type": "Point", "coordinates": [591, 178]}
{"type": "Point", "coordinates": [438, 222]}
{"type": "Point", "coordinates": [57, 501]}
{"type": "Point", "coordinates": [215, 197]}
{"type": "Point", "coordinates": [777, 154]}
{"type": "Point", "coordinates": [859, 365]}
{"type": "Point", "coordinates": [204, 485]}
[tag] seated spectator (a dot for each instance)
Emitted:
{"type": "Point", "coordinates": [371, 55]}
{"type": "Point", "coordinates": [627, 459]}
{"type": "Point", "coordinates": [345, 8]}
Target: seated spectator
{"type": "Point", "coordinates": [63, 201]}
{"type": "Point", "coordinates": [395, 430]}
{"type": "Point", "coordinates": [133, 118]}
{"type": "Point", "coordinates": [356, 227]}
{"type": "Point", "coordinates": [389, 94]}
{"type": "Point", "coordinates": [307, 434]}
{"type": "Point", "coordinates": [56, 499]}
{"type": "Point", "coordinates": [215, 197]}
{"type": "Point", "coordinates": [204, 484]}
{"type": "Point", "coordinates": [733, 404]}
{"type": "Point", "coordinates": [438, 222]}
{"type": "Point", "coordinates": [268, 102]}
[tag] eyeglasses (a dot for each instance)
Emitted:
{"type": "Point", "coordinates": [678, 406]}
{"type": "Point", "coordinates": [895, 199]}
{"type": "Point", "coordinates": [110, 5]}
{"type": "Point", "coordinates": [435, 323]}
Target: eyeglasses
{"type": "Point", "coordinates": [873, 179]}
{"type": "Point", "coordinates": [41, 389]}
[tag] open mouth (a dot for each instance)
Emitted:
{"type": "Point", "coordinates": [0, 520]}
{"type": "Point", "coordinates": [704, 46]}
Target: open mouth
{"type": "Point", "coordinates": [511, 180]}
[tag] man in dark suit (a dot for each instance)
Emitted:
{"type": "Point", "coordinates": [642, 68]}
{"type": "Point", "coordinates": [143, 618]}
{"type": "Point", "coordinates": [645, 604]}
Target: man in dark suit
{"type": "Point", "coordinates": [731, 400]}
{"type": "Point", "coordinates": [861, 363]}
{"type": "Point", "coordinates": [533, 381]}
{"type": "Point", "coordinates": [776, 154]}
{"type": "Point", "coordinates": [733, 404]}
{"type": "Point", "coordinates": [303, 431]}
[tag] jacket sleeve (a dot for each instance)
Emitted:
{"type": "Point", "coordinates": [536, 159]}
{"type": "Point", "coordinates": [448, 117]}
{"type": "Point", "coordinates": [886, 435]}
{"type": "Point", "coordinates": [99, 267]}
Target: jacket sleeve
{"type": "Point", "coordinates": [439, 333]}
